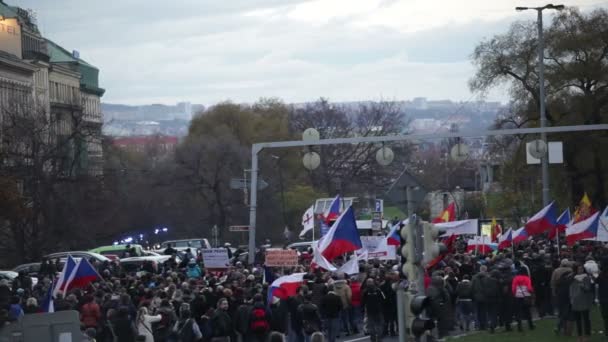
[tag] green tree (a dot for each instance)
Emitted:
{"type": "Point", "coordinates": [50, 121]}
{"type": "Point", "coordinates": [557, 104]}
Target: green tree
{"type": "Point", "coordinates": [576, 62]}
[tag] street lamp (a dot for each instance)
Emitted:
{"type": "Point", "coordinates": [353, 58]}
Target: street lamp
{"type": "Point", "coordinates": [541, 85]}
{"type": "Point", "coordinates": [278, 159]}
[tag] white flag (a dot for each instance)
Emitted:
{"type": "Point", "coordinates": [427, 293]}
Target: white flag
{"type": "Point", "coordinates": [319, 259]}
{"type": "Point", "coordinates": [308, 221]}
{"type": "Point", "coordinates": [352, 266]}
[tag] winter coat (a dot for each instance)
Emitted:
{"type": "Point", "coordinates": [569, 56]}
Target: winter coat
{"type": "Point", "coordinates": [486, 289]}
{"type": "Point", "coordinates": [90, 314]}
{"type": "Point", "coordinates": [440, 303]}
{"type": "Point", "coordinates": [556, 276]}
{"type": "Point", "coordinates": [390, 304]}
{"type": "Point", "coordinates": [318, 291]}
{"type": "Point", "coordinates": [279, 316]}
{"type": "Point", "coordinates": [194, 271]}
{"type": "Point", "coordinates": [331, 305]}
{"type": "Point", "coordinates": [464, 290]}
{"type": "Point", "coordinates": [581, 293]}
{"type": "Point", "coordinates": [373, 301]}
{"type": "Point", "coordinates": [343, 290]}
{"type": "Point", "coordinates": [355, 288]}
{"type": "Point", "coordinates": [521, 286]}
{"type": "Point", "coordinates": [221, 324]}
{"type": "Point", "coordinates": [144, 326]}
{"type": "Point", "coordinates": [602, 282]}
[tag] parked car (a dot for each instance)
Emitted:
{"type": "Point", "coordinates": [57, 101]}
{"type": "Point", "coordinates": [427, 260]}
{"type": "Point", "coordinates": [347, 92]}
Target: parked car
{"type": "Point", "coordinates": [30, 269]}
{"type": "Point", "coordinates": [301, 246]}
{"type": "Point", "coordinates": [182, 245]}
{"type": "Point", "coordinates": [118, 251]}
{"type": "Point", "coordinates": [134, 264]}
{"type": "Point", "coordinates": [11, 275]}
{"type": "Point", "coordinates": [77, 255]}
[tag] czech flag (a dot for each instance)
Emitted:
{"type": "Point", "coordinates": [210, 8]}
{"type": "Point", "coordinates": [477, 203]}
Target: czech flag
{"type": "Point", "coordinates": [505, 240]}
{"type": "Point", "coordinates": [48, 305]}
{"type": "Point", "coordinates": [333, 212]}
{"type": "Point", "coordinates": [394, 236]}
{"type": "Point", "coordinates": [481, 245]}
{"type": "Point", "coordinates": [585, 229]}
{"type": "Point", "coordinates": [343, 237]}
{"type": "Point", "coordinates": [519, 235]}
{"type": "Point", "coordinates": [543, 220]}
{"type": "Point", "coordinates": [285, 286]}
{"type": "Point", "coordinates": [68, 268]}
{"type": "Point", "coordinates": [448, 215]}
{"type": "Point", "coordinates": [82, 275]}
{"type": "Point", "coordinates": [562, 223]}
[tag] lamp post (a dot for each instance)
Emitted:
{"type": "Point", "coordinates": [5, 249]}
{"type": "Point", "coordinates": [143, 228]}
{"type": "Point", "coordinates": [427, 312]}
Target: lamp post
{"type": "Point", "coordinates": [278, 159]}
{"type": "Point", "coordinates": [541, 85]}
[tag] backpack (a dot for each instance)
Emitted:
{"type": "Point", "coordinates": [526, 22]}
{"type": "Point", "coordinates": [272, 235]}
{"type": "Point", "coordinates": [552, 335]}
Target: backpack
{"type": "Point", "coordinates": [259, 322]}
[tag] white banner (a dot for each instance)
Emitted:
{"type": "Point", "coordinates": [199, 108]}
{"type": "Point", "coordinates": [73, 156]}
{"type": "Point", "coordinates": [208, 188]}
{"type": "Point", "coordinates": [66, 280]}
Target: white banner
{"type": "Point", "coordinates": [464, 227]}
{"type": "Point", "coordinates": [377, 248]}
{"type": "Point", "coordinates": [215, 258]}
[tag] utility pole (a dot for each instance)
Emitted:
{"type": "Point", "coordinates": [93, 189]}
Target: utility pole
{"type": "Point", "coordinates": [541, 94]}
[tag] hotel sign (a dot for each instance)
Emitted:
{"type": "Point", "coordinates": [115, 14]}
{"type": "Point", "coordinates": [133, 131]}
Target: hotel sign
{"type": "Point", "coordinates": [10, 36]}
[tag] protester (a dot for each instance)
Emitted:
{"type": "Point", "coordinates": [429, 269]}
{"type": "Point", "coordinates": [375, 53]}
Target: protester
{"type": "Point", "coordinates": [373, 302]}
{"type": "Point", "coordinates": [581, 300]}
{"type": "Point", "coordinates": [522, 291]}
{"type": "Point", "coordinates": [144, 323]}
{"type": "Point", "coordinates": [331, 306]}
{"type": "Point", "coordinates": [310, 319]}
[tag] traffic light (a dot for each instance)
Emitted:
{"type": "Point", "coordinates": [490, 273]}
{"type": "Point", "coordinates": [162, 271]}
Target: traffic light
{"type": "Point", "coordinates": [432, 248]}
{"type": "Point", "coordinates": [421, 322]}
{"type": "Point", "coordinates": [406, 250]}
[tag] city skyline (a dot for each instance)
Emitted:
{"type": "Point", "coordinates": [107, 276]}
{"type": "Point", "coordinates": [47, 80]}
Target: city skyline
{"type": "Point", "coordinates": [296, 50]}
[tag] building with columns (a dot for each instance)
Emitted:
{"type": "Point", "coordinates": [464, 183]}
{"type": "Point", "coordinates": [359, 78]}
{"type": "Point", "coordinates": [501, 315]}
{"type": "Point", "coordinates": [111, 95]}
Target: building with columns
{"type": "Point", "coordinates": [38, 75]}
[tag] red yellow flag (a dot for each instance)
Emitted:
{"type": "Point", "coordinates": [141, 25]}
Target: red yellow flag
{"type": "Point", "coordinates": [584, 209]}
{"type": "Point", "coordinates": [496, 230]}
{"type": "Point", "coordinates": [448, 215]}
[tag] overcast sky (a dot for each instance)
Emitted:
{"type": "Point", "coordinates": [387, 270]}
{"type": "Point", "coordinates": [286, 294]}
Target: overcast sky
{"type": "Point", "coordinates": [206, 51]}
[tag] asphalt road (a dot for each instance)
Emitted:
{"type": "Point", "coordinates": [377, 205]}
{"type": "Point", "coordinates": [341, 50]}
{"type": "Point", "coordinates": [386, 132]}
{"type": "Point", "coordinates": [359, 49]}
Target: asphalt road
{"type": "Point", "coordinates": [362, 338]}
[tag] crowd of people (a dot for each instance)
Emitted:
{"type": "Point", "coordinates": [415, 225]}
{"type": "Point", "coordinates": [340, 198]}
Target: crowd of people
{"type": "Point", "coordinates": [185, 302]}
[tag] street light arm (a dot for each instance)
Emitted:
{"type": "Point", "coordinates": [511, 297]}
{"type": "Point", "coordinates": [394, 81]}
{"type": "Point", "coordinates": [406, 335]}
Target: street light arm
{"type": "Point", "coordinates": [521, 8]}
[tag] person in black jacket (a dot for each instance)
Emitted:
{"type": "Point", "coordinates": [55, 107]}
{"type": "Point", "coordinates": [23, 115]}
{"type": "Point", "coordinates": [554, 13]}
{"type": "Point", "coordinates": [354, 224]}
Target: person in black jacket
{"type": "Point", "coordinates": [602, 281]}
{"type": "Point", "coordinates": [505, 312]}
{"type": "Point", "coordinates": [464, 302]}
{"type": "Point", "coordinates": [221, 323]}
{"type": "Point", "coordinates": [310, 320]}
{"type": "Point", "coordinates": [293, 303]}
{"type": "Point", "coordinates": [440, 305]}
{"type": "Point", "coordinates": [390, 309]}
{"type": "Point", "coordinates": [486, 292]}
{"type": "Point", "coordinates": [373, 300]}
{"type": "Point", "coordinates": [279, 315]}
{"type": "Point", "coordinates": [331, 305]}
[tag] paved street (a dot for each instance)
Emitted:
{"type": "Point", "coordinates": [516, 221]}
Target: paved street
{"type": "Point", "coordinates": [362, 338]}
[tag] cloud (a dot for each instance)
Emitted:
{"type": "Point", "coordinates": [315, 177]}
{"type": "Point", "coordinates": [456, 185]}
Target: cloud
{"type": "Point", "coordinates": [207, 51]}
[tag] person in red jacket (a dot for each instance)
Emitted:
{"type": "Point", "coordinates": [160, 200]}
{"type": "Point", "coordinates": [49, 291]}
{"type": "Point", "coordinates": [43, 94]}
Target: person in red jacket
{"type": "Point", "coordinates": [355, 305]}
{"type": "Point", "coordinates": [90, 313]}
{"type": "Point", "coordinates": [522, 290]}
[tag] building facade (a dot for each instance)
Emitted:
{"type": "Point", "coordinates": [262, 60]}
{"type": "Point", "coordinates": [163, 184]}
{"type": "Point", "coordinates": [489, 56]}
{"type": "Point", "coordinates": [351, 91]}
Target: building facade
{"type": "Point", "coordinates": [38, 75]}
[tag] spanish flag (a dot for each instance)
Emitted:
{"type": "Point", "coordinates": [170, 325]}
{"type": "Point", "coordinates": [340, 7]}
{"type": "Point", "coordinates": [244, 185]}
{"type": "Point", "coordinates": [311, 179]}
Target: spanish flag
{"type": "Point", "coordinates": [584, 209]}
{"type": "Point", "coordinates": [448, 215]}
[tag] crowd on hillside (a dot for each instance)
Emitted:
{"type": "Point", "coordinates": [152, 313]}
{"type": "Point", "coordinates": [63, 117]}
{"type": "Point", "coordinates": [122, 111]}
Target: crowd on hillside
{"type": "Point", "coordinates": [185, 302]}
